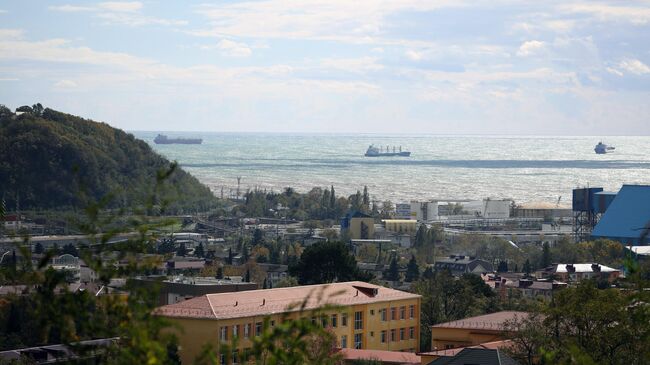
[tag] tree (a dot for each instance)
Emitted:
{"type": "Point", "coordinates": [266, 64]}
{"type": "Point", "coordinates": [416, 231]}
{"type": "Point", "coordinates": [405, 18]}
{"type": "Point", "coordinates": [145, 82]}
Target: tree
{"type": "Point", "coordinates": [503, 266]}
{"type": "Point", "coordinates": [229, 258]}
{"type": "Point", "coordinates": [70, 249]}
{"type": "Point", "coordinates": [244, 254]}
{"type": "Point", "coordinates": [392, 274]}
{"type": "Point", "coordinates": [332, 198]}
{"type": "Point", "coordinates": [219, 274]}
{"type": "Point", "coordinates": [247, 277]}
{"type": "Point", "coordinates": [326, 262]}
{"type": "Point", "coordinates": [182, 251]}
{"type": "Point", "coordinates": [38, 248]}
{"type": "Point", "coordinates": [412, 270]}
{"type": "Point", "coordinates": [199, 251]}
{"type": "Point", "coordinates": [365, 204]}
{"type": "Point", "coordinates": [421, 236]}
{"type": "Point", "coordinates": [258, 236]}
{"type": "Point", "coordinates": [527, 268]}
{"type": "Point", "coordinates": [546, 255]}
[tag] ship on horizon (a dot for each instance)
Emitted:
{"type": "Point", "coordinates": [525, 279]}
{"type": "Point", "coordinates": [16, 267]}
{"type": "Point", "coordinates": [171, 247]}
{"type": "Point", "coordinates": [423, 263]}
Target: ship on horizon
{"type": "Point", "coordinates": [163, 139]}
{"type": "Point", "coordinates": [602, 148]}
{"type": "Point", "coordinates": [380, 152]}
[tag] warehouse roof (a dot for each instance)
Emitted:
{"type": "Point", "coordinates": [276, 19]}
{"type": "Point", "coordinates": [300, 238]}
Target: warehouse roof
{"type": "Point", "coordinates": [627, 216]}
{"type": "Point", "coordinates": [492, 321]}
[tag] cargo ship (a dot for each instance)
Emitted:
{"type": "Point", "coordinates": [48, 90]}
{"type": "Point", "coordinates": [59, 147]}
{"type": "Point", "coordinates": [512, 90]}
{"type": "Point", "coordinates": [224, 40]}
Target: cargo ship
{"type": "Point", "coordinates": [380, 152]}
{"type": "Point", "coordinates": [163, 139]}
{"type": "Point", "coordinates": [602, 148]}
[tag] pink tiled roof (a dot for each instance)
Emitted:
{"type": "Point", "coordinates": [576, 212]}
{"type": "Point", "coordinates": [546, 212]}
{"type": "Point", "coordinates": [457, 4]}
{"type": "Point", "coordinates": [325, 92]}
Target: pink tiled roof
{"type": "Point", "coordinates": [492, 321]}
{"type": "Point", "coordinates": [270, 301]}
{"type": "Point", "coordinates": [393, 357]}
{"type": "Point", "coordinates": [453, 352]}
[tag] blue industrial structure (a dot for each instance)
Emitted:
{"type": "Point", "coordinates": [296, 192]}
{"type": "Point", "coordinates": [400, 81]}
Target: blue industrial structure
{"type": "Point", "coordinates": [627, 217]}
{"type": "Point", "coordinates": [586, 211]}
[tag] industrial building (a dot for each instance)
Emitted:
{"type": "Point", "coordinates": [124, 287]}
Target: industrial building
{"type": "Point", "coordinates": [625, 217]}
{"type": "Point", "coordinates": [358, 225]}
{"type": "Point", "coordinates": [366, 316]}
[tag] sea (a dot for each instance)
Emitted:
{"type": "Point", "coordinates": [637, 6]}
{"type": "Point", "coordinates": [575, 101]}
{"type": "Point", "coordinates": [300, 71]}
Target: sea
{"type": "Point", "coordinates": [527, 169]}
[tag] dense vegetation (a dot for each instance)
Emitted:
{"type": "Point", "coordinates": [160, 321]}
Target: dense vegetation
{"type": "Point", "coordinates": [50, 159]}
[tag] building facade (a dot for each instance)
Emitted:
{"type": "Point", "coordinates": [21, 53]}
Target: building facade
{"type": "Point", "coordinates": [365, 316]}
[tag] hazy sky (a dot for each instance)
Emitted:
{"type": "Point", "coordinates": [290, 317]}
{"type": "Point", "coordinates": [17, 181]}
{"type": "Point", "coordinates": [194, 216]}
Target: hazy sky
{"type": "Point", "coordinates": [441, 67]}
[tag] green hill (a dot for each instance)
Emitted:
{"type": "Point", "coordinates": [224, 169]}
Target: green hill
{"type": "Point", "coordinates": [47, 158]}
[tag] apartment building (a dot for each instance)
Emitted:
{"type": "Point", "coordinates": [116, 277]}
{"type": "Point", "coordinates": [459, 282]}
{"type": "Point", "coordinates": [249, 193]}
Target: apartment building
{"type": "Point", "coordinates": [365, 316]}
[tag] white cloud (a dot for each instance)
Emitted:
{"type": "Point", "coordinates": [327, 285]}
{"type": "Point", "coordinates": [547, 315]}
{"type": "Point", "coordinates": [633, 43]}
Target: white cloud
{"type": "Point", "coordinates": [3, 11]}
{"type": "Point", "coordinates": [121, 6]}
{"type": "Point", "coordinates": [67, 8]}
{"type": "Point", "coordinates": [529, 48]}
{"type": "Point", "coordinates": [413, 55]}
{"type": "Point", "coordinates": [234, 49]}
{"type": "Point", "coordinates": [65, 84]}
{"type": "Point", "coordinates": [118, 12]}
{"type": "Point", "coordinates": [614, 71]}
{"type": "Point", "coordinates": [355, 65]}
{"type": "Point", "coordinates": [10, 33]}
{"type": "Point", "coordinates": [634, 66]}
{"type": "Point", "coordinates": [636, 15]}
{"type": "Point", "coordinates": [359, 21]}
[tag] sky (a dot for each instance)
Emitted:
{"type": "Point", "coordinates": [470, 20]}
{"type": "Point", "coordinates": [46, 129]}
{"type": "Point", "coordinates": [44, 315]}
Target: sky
{"type": "Point", "coordinates": [335, 66]}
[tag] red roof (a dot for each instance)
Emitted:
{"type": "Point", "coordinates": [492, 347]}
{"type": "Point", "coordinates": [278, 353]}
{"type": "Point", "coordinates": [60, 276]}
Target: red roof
{"type": "Point", "coordinates": [391, 357]}
{"type": "Point", "coordinates": [269, 301]}
{"type": "Point", "coordinates": [492, 321]}
{"type": "Point", "coordinates": [453, 352]}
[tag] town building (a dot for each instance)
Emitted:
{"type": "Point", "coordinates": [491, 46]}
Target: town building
{"type": "Point", "coordinates": [577, 272]}
{"type": "Point", "coordinates": [428, 357]}
{"type": "Point", "coordinates": [534, 289]}
{"type": "Point", "coordinates": [460, 264]}
{"type": "Point", "coordinates": [274, 273]}
{"type": "Point", "coordinates": [177, 289]}
{"type": "Point", "coordinates": [627, 218]}
{"type": "Point", "coordinates": [354, 356]}
{"type": "Point", "coordinates": [472, 331]}
{"type": "Point", "coordinates": [476, 356]}
{"type": "Point", "coordinates": [400, 225]}
{"type": "Point", "coordinates": [366, 316]}
{"type": "Point", "coordinates": [358, 225]}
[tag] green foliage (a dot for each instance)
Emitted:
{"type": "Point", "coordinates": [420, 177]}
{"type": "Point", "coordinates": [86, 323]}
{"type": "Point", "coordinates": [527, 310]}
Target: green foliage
{"type": "Point", "coordinates": [326, 262]}
{"type": "Point", "coordinates": [392, 274]}
{"type": "Point", "coordinates": [199, 251]}
{"type": "Point", "coordinates": [48, 313]}
{"type": "Point", "coordinates": [412, 270]}
{"type": "Point", "coordinates": [445, 298]}
{"type": "Point", "coordinates": [54, 160]}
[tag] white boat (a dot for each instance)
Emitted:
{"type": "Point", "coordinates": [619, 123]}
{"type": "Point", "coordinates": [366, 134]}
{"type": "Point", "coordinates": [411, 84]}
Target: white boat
{"type": "Point", "coordinates": [602, 148]}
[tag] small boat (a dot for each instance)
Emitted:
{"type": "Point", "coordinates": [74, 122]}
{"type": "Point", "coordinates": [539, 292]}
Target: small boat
{"type": "Point", "coordinates": [602, 148]}
{"type": "Point", "coordinates": [380, 152]}
{"type": "Point", "coordinates": [163, 139]}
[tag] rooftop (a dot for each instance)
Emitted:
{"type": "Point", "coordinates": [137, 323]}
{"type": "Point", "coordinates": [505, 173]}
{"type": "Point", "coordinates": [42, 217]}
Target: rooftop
{"type": "Point", "coordinates": [492, 321]}
{"type": "Point", "coordinates": [453, 352]}
{"type": "Point", "coordinates": [582, 268]}
{"type": "Point", "coordinates": [476, 356]}
{"type": "Point", "coordinates": [390, 357]}
{"type": "Point", "coordinates": [271, 301]}
{"type": "Point", "coordinates": [627, 215]}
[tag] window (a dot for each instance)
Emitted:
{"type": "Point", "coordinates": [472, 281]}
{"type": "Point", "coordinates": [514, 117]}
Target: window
{"type": "Point", "coordinates": [313, 320]}
{"type": "Point", "coordinates": [402, 334]}
{"type": "Point", "coordinates": [412, 333]}
{"type": "Point", "coordinates": [382, 313]}
{"type": "Point", "coordinates": [224, 333]}
{"type": "Point", "coordinates": [222, 359]}
{"type": "Point", "coordinates": [358, 320]}
{"type": "Point", "coordinates": [402, 312]}
{"type": "Point", "coordinates": [235, 356]}
{"type": "Point", "coordinates": [333, 320]}
{"type": "Point", "coordinates": [358, 341]}
{"type": "Point", "coordinates": [323, 321]}
{"type": "Point", "coordinates": [383, 336]}
{"type": "Point", "coordinates": [393, 313]}
{"type": "Point", "coordinates": [372, 312]}
{"type": "Point", "coordinates": [344, 342]}
{"type": "Point", "coordinates": [247, 330]}
{"type": "Point", "coordinates": [344, 319]}
{"type": "Point", "coordinates": [235, 330]}
{"type": "Point", "coordinates": [247, 354]}
{"type": "Point", "coordinates": [258, 328]}
{"type": "Point", "coordinates": [411, 311]}
{"type": "Point", "coordinates": [393, 335]}
{"type": "Point", "coordinates": [272, 323]}
{"type": "Point", "coordinates": [372, 334]}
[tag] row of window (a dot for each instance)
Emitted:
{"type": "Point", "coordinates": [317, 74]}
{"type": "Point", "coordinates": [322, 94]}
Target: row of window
{"type": "Point", "coordinates": [333, 322]}
{"type": "Point", "coordinates": [383, 313]}
{"type": "Point", "coordinates": [358, 341]}
{"type": "Point", "coordinates": [244, 331]}
{"type": "Point", "coordinates": [402, 335]}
